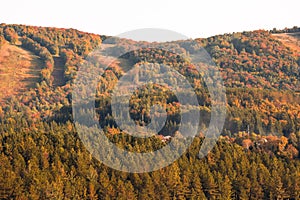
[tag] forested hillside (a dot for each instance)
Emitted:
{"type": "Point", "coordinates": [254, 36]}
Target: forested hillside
{"type": "Point", "coordinates": [42, 157]}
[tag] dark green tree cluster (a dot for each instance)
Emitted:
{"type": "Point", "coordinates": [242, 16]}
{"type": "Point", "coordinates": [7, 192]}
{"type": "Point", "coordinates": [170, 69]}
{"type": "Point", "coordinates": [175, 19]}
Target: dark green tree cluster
{"type": "Point", "coordinates": [48, 161]}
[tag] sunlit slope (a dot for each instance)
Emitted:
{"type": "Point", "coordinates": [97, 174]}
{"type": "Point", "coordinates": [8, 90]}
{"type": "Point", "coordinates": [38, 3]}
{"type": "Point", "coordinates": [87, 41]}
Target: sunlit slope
{"type": "Point", "coordinates": [19, 70]}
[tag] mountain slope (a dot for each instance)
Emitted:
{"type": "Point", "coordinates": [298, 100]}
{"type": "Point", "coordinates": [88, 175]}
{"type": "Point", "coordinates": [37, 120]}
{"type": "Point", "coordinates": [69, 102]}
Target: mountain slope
{"type": "Point", "coordinates": [258, 70]}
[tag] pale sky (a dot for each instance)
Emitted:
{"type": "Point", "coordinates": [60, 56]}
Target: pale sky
{"type": "Point", "coordinates": [191, 18]}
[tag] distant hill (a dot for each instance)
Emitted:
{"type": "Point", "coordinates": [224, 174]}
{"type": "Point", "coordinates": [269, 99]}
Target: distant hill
{"type": "Point", "coordinates": [260, 70]}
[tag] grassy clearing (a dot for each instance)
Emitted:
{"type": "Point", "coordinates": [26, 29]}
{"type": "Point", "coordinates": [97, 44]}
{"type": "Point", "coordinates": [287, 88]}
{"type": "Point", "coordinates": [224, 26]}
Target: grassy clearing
{"type": "Point", "coordinates": [291, 40]}
{"type": "Point", "coordinates": [19, 71]}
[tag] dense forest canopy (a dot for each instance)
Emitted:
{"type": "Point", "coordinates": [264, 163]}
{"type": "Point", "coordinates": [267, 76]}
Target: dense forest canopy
{"type": "Point", "coordinates": [257, 156]}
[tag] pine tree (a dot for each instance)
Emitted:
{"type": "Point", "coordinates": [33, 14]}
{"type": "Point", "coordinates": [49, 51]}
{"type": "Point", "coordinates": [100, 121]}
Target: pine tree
{"type": "Point", "coordinates": [147, 190]}
{"type": "Point", "coordinates": [196, 188]}
{"type": "Point", "coordinates": [225, 187]}
{"type": "Point", "coordinates": [210, 187]}
{"type": "Point", "coordinates": [276, 186]}
{"type": "Point", "coordinates": [7, 178]}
